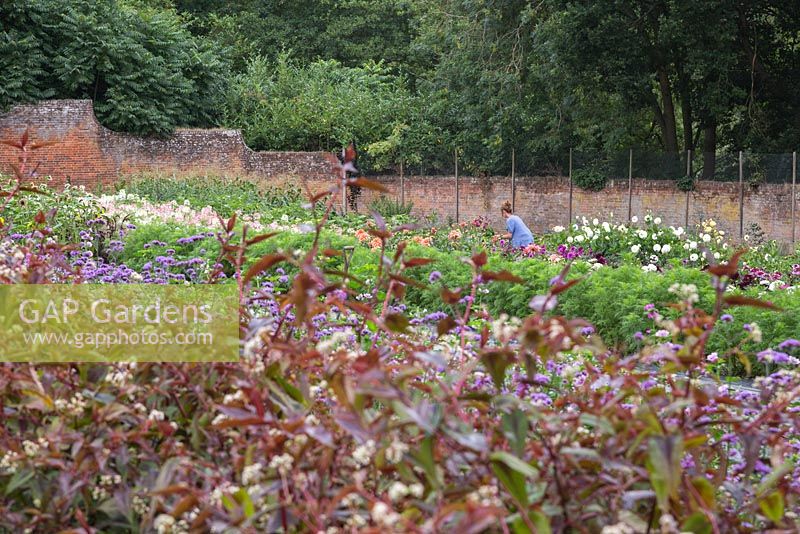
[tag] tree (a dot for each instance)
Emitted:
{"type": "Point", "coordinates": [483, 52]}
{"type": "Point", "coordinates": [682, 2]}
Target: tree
{"type": "Point", "coordinates": [145, 72]}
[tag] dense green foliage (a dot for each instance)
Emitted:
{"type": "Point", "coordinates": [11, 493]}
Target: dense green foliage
{"type": "Point", "coordinates": [413, 80]}
{"type": "Point", "coordinates": [144, 70]}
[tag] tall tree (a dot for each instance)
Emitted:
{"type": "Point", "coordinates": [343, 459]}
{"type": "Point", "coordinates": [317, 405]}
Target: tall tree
{"type": "Point", "coordinates": [144, 70]}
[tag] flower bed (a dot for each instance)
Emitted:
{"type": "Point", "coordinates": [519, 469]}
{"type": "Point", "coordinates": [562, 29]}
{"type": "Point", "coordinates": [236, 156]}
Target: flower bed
{"type": "Point", "coordinates": [401, 398]}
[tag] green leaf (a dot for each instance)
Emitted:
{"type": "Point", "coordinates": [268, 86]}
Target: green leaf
{"type": "Point", "coordinates": [515, 463]}
{"type": "Point", "coordinates": [496, 362]}
{"type": "Point", "coordinates": [663, 464]}
{"type": "Point", "coordinates": [515, 430]}
{"type": "Point", "coordinates": [19, 479]}
{"type": "Point", "coordinates": [513, 481]}
{"type": "Point", "coordinates": [706, 491]}
{"type": "Point", "coordinates": [424, 458]}
{"type": "Point", "coordinates": [697, 523]}
{"type": "Point", "coordinates": [541, 523]}
{"type": "Point", "coordinates": [248, 507]}
{"type": "Point", "coordinates": [773, 506]}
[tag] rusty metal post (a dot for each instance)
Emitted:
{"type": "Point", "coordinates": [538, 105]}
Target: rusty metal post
{"type": "Point", "coordinates": [688, 177]}
{"type": "Point", "coordinates": [513, 180]}
{"type": "Point", "coordinates": [741, 195]}
{"type": "Point", "coordinates": [402, 185]}
{"type": "Point", "coordinates": [569, 222]}
{"type": "Point", "coordinates": [455, 156]}
{"type": "Point", "coordinates": [630, 184]}
{"type": "Point", "coordinates": [794, 196]}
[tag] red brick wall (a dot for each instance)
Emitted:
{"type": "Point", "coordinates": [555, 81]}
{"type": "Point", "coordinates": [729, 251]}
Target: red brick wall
{"type": "Point", "coordinates": [87, 153]}
{"type": "Point", "coordinates": [543, 202]}
{"type": "Point", "coordinates": [90, 154]}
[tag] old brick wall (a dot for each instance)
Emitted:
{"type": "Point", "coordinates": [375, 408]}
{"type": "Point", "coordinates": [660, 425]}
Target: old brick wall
{"type": "Point", "coordinates": [88, 153]}
{"type": "Point", "coordinates": [543, 202]}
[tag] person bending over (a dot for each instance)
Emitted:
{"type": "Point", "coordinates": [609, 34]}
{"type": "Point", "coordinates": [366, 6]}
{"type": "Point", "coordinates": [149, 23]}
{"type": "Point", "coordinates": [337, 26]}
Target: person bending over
{"type": "Point", "coordinates": [518, 233]}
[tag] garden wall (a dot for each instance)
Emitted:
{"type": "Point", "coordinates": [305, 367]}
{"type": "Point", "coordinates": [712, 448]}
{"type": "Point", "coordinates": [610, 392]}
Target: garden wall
{"type": "Point", "coordinates": [87, 153]}
{"type": "Point", "coordinates": [90, 154]}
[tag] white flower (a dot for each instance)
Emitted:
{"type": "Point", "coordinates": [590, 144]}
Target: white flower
{"type": "Point", "coordinates": [558, 228]}
{"type": "Point", "coordinates": [694, 257]}
{"type": "Point", "coordinates": [156, 415]}
{"type": "Point", "coordinates": [662, 333]}
{"type": "Point", "coordinates": [416, 490]}
{"type": "Point", "coordinates": [635, 249]}
{"type": "Point", "coordinates": [364, 453]}
{"type": "Point", "coordinates": [716, 255]}
{"type": "Point", "coordinates": [642, 234]}
{"type": "Point", "coordinates": [692, 245]}
{"type": "Point", "coordinates": [570, 239]}
{"type": "Point", "coordinates": [395, 452]}
{"type": "Point", "coordinates": [283, 463]}
{"type": "Point", "coordinates": [666, 248]}
{"type": "Point", "coordinates": [657, 247]}
{"type": "Point", "coordinates": [634, 219]}
{"type": "Point", "coordinates": [706, 238]}
{"type": "Point", "coordinates": [595, 221]}
{"type": "Point", "coordinates": [657, 220]}
{"type": "Point", "coordinates": [164, 523]}
{"type": "Point", "coordinates": [755, 332]}
{"type": "Point", "coordinates": [579, 238]}
{"type": "Point", "coordinates": [383, 515]}
{"type": "Point", "coordinates": [251, 473]}
{"type": "Point", "coordinates": [397, 491]}
{"type": "Point", "coordinates": [606, 227]}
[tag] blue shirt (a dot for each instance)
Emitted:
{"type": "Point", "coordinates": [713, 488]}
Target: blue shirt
{"type": "Point", "coordinates": [521, 236]}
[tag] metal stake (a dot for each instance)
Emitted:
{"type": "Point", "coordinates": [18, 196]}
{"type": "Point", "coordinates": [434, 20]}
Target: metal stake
{"type": "Point", "coordinates": [513, 181]}
{"type": "Point", "coordinates": [688, 177]}
{"type": "Point", "coordinates": [455, 156]}
{"type": "Point", "coordinates": [794, 195]}
{"type": "Point", "coordinates": [402, 185]}
{"type": "Point", "coordinates": [630, 184]}
{"type": "Point", "coordinates": [741, 195]}
{"type": "Point", "coordinates": [569, 222]}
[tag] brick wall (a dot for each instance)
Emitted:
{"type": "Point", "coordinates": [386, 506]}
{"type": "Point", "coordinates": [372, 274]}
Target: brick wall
{"type": "Point", "coordinates": [87, 153]}
{"type": "Point", "coordinates": [543, 202]}
{"type": "Point", "coordinates": [90, 154]}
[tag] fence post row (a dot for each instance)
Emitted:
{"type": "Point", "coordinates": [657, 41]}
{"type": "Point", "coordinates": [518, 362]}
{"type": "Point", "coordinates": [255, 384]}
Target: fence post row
{"type": "Point", "coordinates": [455, 157]}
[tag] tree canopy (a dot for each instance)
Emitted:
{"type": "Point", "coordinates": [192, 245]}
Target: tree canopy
{"type": "Point", "coordinates": [413, 80]}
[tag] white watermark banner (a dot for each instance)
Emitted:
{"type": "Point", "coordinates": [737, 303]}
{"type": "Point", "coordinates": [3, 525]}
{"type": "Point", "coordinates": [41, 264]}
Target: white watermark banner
{"type": "Point", "coordinates": [114, 323]}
